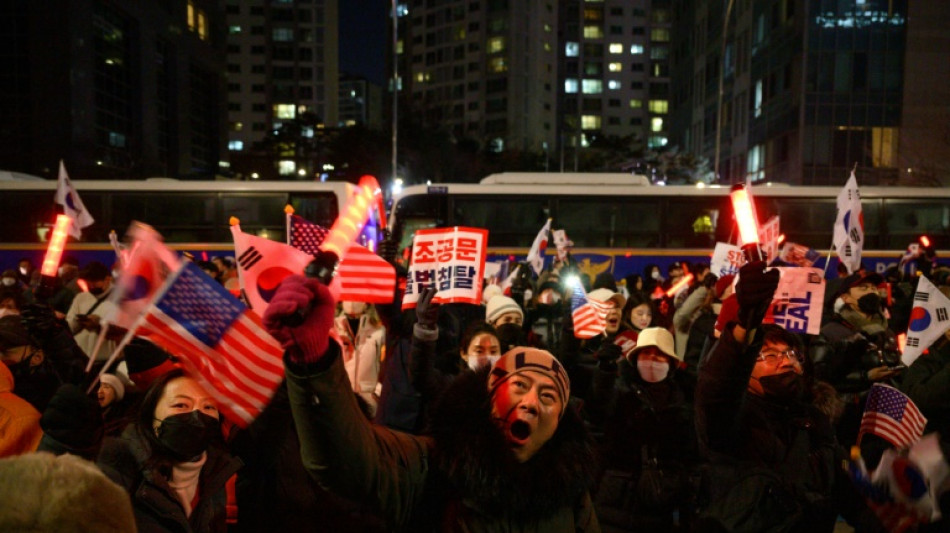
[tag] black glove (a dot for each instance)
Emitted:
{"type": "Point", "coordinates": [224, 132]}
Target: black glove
{"type": "Point", "coordinates": [73, 420]}
{"type": "Point", "coordinates": [387, 248]}
{"type": "Point", "coordinates": [754, 292]}
{"type": "Point", "coordinates": [40, 321]}
{"type": "Point", "coordinates": [427, 313]}
{"type": "Point", "coordinates": [608, 355]}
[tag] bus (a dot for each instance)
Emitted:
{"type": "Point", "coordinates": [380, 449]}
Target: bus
{"type": "Point", "coordinates": [192, 216]}
{"type": "Point", "coordinates": [620, 223]}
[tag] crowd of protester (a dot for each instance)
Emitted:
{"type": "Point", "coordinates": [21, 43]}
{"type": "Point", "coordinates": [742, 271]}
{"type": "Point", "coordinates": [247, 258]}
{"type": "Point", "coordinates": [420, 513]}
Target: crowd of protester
{"type": "Point", "coordinates": [686, 414]}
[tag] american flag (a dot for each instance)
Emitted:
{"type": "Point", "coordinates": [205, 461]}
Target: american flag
{"type": "Point", "coordinates": [363, 275]}
{"type": "Point", "coordinates": [891, 415]}
{"type": "Point", "coordinates": [590, 315]}
{"type": "Point", "coordinates": [219, 341]}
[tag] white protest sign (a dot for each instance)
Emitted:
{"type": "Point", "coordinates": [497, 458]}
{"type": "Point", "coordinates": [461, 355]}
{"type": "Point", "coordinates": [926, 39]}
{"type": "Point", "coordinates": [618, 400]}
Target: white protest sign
{"type": "Point", "coordinates": [452, 260]}
{"type": "Point", "coordinates": [798, 300]}
{"type": "Point", "coordinates": [726, 259]}
{"type": "Point", "coordinates": [768, 238]}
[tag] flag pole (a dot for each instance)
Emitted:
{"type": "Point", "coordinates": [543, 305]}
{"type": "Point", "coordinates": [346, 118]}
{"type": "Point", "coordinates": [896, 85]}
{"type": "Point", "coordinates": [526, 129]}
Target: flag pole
{"type": "Point", "coordinates": [102, 337]}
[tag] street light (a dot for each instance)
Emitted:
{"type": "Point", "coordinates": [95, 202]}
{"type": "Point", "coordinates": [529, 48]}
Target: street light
{"type": "Point", "coordinates": [722, 72]}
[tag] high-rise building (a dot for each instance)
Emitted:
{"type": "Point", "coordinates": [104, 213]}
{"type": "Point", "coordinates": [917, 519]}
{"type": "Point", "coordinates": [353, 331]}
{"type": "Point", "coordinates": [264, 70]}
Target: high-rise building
{"type": "Point", "coordinates": [809, 89]}
{"type": "Point", "coordinates": [119, 90]}
{"type": "Point", "coordinates": [614, 73]}
{"type": "Point", "coordinates": [484, 70]}
{"type": "Point", "coordinates": [282, 66]}
{"type": "Point", "coordinates": [361, 102]}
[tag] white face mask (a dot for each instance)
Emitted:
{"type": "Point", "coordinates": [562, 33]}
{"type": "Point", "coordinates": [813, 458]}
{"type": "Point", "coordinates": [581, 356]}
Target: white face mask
{"type": "Point", "coordinates": [655, 274]}
{"type": "Point", "coordinates": [477, 361]}
{"type": "Point", "coordinates": [8, 282]}
{"type": "Point", "coordinates": [653, 371]}
{"type": "Point", "coordinates": [23, 271]}
{"type": "Point", "coordinates": [8, 312]}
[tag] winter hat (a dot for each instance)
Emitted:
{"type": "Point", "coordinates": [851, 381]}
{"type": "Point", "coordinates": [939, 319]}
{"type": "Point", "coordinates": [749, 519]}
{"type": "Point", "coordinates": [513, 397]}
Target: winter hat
{"type": "Point", "coordinates": [526, 359]}
{"type": "Point", "coordinates": [659, 338]}
{"type": "Point", "coordinates": [606, 295]}
{"type": "Point", "coordinates": [146, 362]}
{"type": "Point", "coordinates": [723, 283]}
{"type": "Point", "coordinates": [499, 305]}
{"type": "Point", "coordinates": [13, 333]}
{"type": "Point", "coordinates": [490, 292]}
{"type": "Point", "coordinates": [113, 381]}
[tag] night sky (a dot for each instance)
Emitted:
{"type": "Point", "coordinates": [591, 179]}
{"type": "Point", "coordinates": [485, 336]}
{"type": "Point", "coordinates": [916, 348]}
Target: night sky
{"type": "Point", "coordinates": [363, 36]}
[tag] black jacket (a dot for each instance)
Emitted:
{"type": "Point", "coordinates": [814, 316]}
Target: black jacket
{"type": "Point", "coordinates": [155, 505]}
{"type": "Point", "coordinates": [774, 465]}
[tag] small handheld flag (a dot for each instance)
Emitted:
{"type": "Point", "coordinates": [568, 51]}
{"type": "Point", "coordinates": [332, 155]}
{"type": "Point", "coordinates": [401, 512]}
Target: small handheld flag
{"type": "Point", "coordinates": [73, 207]}
{"type": "Point", "coordinates": [589, 315]}
{"type": "Point", "coordinates": [891, 415]}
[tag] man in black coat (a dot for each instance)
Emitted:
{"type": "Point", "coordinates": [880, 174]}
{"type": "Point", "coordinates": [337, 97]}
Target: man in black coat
{"type": "Point", "coordinates": [776, 465]}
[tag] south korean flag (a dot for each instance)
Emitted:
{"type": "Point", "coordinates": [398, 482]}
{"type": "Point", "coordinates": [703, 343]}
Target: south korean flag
{"type": "Point", "coordinates": [928, 320]}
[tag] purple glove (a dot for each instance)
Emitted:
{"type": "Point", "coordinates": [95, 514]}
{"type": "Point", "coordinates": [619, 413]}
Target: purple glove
{"type": "Point", "coordinates": [307, 342]}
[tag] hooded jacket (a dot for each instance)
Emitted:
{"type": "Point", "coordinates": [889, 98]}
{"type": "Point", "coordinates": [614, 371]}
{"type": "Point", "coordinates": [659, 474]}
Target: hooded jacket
{"type": "Point", "coordinates": [19, 421]}
{"type": "Point", "coordinates": [463, 477]}
{"type": "Point", "coordinates": [156, 507]}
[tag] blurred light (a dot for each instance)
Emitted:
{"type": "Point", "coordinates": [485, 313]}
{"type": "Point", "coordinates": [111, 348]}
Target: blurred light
{"type": "Point", "coordinates": [54, 251]}
{"type": "Point", "coordinates": [83, 286]}
{"type": "Point", "coordinates": [572, 281]}
{"type": "Point", "coordinates": [255, 175]}
{"type": "Point", "coordinates": [396, 187]}
{"type": "Point", "coordinates": [428, 182]}
{"type": "Point", "coordinates": [742, 207]}
{"type": "Point", "coordinates": [925, 241]}
{"type": "Point", "coordinates": [99, 163]}
{"type": "Point", "coordinates": [302, 172]}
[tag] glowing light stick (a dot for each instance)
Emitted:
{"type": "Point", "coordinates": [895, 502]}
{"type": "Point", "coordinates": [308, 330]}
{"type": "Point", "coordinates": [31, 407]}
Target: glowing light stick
{"type": "Point", "coordinates": [745, 218]}
{"type": "Point", "coordinates": [54, 251]}
{"type": "Point", "coordinates": [901, 341]}
{"type": "Point", "coordinates": [679, 285]}
{"type": "Point", "coordinates": [925, 241]}
{"type": "Point", "coordinates": [781, 239]}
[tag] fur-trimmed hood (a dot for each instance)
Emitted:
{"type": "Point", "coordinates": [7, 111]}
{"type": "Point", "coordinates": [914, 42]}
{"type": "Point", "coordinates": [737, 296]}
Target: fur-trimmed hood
{"type": "Point", "coordinates": [482, 470]}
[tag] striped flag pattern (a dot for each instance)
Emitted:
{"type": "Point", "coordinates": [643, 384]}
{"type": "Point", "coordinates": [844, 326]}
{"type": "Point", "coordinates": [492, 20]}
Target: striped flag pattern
{"type": "Point", "coordinates": [891, 415]}
{"type": "Point", "coordinates": [363, 275]}
{"type": "Point", "coordinates": [589, 315]}
{"type": "Point", "coordinates": [219, 342]}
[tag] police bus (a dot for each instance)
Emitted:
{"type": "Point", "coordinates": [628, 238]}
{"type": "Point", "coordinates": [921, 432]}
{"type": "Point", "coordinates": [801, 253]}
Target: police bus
{"type": "Point", "coordinates": [620, 223]}
{"type": "Point", "coordinates": [192, 216]}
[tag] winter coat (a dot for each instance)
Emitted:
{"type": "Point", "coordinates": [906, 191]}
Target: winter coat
{"type": "Point", "coordinates": [649, 427]}
{"type": "Point", "coordinates": [19, 421]}
{"type": "Point", "coordinates": [684, 316]}
{"type": "Point", "coordinates": [362, 354]}
{"type": "Point", "coordinates": [86, 303]}
{"type": "Point", "coordinates": [775, 466]}
{"type": "Point", "coordinates": [156, 507]}
{"type": "Point", "coordinates": [461, 478]}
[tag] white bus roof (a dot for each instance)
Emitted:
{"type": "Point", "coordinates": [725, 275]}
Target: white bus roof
{"type": "Point", "coordinates": [169, 184]}
{"type": "Point", "coordinates": [565, 178]}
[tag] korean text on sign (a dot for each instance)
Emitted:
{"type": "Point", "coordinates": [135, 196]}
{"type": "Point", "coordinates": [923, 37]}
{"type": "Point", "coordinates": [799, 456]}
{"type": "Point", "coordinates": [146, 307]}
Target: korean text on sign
{"type": "Point", "coordinates": [452, 260]}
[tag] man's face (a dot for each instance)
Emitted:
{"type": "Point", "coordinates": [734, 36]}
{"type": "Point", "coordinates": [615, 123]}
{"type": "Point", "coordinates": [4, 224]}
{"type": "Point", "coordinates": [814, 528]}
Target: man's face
{"type": "Point", "coordinates": [772, 361]}
{"type": "Point", "coordinates": [18, 354]}
{"type": "Point", "coordinates": [613, 317]}
{"type": "Point", "coordinates": [855, 293]}
{"type": "Point", "coordinates": [526, 408]}
{"type": "Point", "coordinates": [510, 317]}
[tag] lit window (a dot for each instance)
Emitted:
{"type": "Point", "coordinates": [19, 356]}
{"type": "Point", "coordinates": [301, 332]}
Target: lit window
{"type": "Point", "coordinates": [497, 64]}
{"type": "Point", "coordinates": [592, 86]}
{"type": "Point", "coordinates": [616, 48]}
{"type": "Point", "coordinates": [306, 131]}
{"type": "Point", "coordinates": [636, 103]}
{"type": "Point", "coordinates": [593, 32]}
{"type": "Point", "coordinates": [636, 49]}
{"type": "Point", "coordinates": [237, 126]}
{"type": "Point", "coordinates": [286, 167]}
{"type": "Point", "coordinates": [422, 77]}
{"type": "Point", "coordinates": [283, 34]}
{"type": "Point", "coordinates": [656, 124]}
{"type": "Point", "coordinates": [660, 35]}
{"type": "Point", "coordinates": [548, 28]}
{"type": "Point", "coordinates": [570, 86]}
{"type": "Point", "coordinates": [547, 46]}
{"type": "Point", "coordinates": [659, 107]}
{"type": "Point", "coordinates": [399, 46]}
{"type": "Point", "coordinates": [495, 45]}
{"type": "Point", "coordinates": [758, 98]}
{"type": "Point", "coordinates": [571, 49]}
{"type": "Point", "coordinates": [235, 146]}
{"type": "Point", "coordinates": [234, 29]}
{"type": "Point", "coordinates": [286, 111]}
{"type": "Point", "coordinates": [590, 122]}
{"type": "Point", "coordinates": [613, 85]}
{"type": "Point", "coordinates": [615, 67]}
{"type": "Point", "coordinates": [657, 141]}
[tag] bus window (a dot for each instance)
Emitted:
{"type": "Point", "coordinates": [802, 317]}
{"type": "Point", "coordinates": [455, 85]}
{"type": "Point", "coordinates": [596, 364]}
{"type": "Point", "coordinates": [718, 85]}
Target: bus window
{"type": "Point", "coordinates": [907, 220]}
{"type": "Point", "coordinates": [691, 222]}
{"type": "Point", "coordinates": [807, 222]}
{"type": "Point", "coordinates": [510, 222]}
{"type": "Point", "coordinates": [319, 208]}
{"type": "Point", "coordinates": [33, 212]}
{"type": "Point", "coordinates": [260, 214]}
{"type": "Point", "coordinates": [600, 222]}
{"type": "Point", "coordinates": [417, 212]}
{"type": "Point", "coordinates": [182, 217]}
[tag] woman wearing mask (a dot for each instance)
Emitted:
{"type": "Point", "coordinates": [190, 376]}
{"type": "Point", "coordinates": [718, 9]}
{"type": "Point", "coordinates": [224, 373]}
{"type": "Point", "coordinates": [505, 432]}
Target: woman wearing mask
{"type": "Point", "coordinates": [650, 444]}
{"type": "Point", "coordinates": [170, 460]}
{"type": "Point", "coordinates": [363, 336]}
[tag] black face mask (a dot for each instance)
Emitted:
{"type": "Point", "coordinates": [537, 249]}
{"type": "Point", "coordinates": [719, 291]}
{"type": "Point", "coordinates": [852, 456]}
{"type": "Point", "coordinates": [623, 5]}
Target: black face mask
{"type": "Point", "coordinates": [34, 383]}
{"type": "Point", "coordinates": [186, 436]}
{"type": "Point", "coordinates": [511, 335]}
{"type": "Point", "coordinates": [96, 291]}
{"type": "Point", "coordinates": [870, 304]}
{"type": "Point", "coordinates": [787, 386]}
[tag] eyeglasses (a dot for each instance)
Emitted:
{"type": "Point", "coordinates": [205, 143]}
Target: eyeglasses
{"type": "Point", "coordinates": [774, 358]}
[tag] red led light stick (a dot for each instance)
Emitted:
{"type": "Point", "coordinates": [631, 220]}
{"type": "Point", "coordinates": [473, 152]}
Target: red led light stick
{"type": "Point", "coordinates": [745, 219]}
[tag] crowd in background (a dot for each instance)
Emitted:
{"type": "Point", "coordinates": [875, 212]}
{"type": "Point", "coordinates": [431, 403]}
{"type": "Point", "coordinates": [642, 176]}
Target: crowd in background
{"type": "Point", "coordinates": [697, 416]}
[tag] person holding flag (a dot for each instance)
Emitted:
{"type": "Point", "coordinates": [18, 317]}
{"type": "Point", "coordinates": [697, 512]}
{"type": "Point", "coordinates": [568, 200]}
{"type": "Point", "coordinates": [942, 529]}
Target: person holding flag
{"type": "Point", "coordinates": [73, 207]}
{"type": "Point", "coordinates": [773, 453]}
{"type": "Point", "coordinates": [856, 349]}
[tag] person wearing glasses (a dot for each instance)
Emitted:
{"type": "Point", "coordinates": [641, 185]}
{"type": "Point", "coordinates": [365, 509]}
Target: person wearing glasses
{"type": "Point", "coordinates": [775, 464]}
